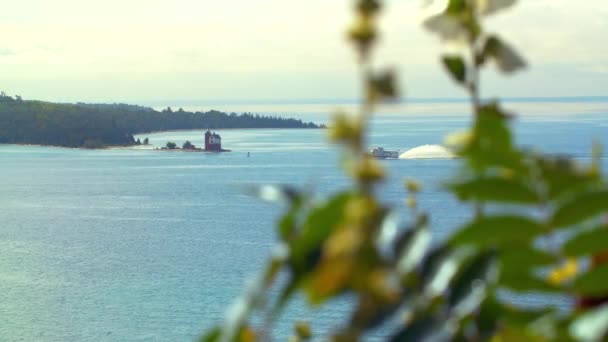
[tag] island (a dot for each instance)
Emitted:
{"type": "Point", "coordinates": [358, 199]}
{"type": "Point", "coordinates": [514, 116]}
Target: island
{"type": "Point", "coordinates": [104, 125]}
{"type": "Point", "coordinates": [213, 143]}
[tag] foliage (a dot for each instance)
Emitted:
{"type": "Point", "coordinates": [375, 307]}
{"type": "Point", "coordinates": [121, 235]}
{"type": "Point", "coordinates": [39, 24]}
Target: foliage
{"type": "Point", "coordinates": [99, 125]}
{"type": "Point", "coordinates": [188, 146]}
{"type": "Point", "coordinates": [171, 145]}
{"type": "Point", "coordinates": [544, 232]}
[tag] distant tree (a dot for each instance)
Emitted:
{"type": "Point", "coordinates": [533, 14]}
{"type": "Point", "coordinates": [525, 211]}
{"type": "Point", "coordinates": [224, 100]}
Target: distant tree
{"type": "Point", "coordinates": [188, 146]}
{"type": "Point", "coordinates": [70, 125]}
{"type": "Point", "coordinates": [138, 142]}
{"type": "Point", "coordinates": [92, 143]}
{"type": "Point", "coordinates": [18, 98]}
{"type": "Point", "coordinates": [171, 145]}
{"type": "Point", "coordinates": [146, 141]}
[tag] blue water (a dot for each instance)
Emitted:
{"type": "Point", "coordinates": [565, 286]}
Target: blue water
{"type": "Point", "coordinates": [143, 245]}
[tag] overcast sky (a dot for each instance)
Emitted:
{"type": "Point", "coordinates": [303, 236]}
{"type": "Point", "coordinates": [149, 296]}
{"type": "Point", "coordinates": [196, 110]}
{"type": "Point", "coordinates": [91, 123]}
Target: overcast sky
{"type": "Point", "coordinates": [154, 50]}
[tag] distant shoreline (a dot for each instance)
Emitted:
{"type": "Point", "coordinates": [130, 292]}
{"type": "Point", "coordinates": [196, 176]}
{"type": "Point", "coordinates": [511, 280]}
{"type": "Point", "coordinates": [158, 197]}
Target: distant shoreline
{"type": "Point", "coordinates": [231, 129]}
{"type": "Point", "coordinates": [152, 148]}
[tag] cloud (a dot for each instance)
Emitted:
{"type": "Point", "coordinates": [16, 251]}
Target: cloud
{"type": "Point", "coordinates": [266, 44]}
{"type": "Point", "coordinates": [6, 52]}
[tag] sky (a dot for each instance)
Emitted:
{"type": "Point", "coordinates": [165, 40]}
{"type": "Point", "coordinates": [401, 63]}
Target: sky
{"type": "Point", "coordinates": [149, 51]}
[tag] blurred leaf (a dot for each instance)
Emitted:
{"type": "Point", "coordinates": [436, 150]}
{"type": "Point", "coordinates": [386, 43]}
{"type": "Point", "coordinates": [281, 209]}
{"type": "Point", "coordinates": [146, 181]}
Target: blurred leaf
{"type": "Point", "coordinates": [491, 143]}
{"type": "Point", "coordinates": [497, 189]}
{"type": "Point", "coordinates": [594, 282]}
{"type": "Point", "coordinates": [371, 312]}
{"type": "Point", "coordinates": [346, 129]}
{"type": "Point", "coordinates": [448, 27]}
{"type": "Point", "coordinates": [563, 177]}
{"type": "Point", "coordinates": [588, 243]}
{"type": "Point", "coordinates": [287, 225]}
{"type": "Point", "coordinates": [412, 186]}
{"type": "Point", "coordinates": [469, 287]}
{"type": "Point", "coordinates": [456, 6]}
{"type": "Point", "coordinates": [519, 334]}
{"type": "Point", "coordinates": [456, 67]}
{"type": "Point", "coordinates": [286, 293]}
{"type": "Point", "coordinates": [519, 258]}
{"type": "Point", "coordinates": [382, 87]}
{"type": "Point", "coordinates": [425, 328]}
{"type": "Point", "coordinates": [412, 246]}
{"type": "Point", "coordinates": [368, 7]}
{"type": "Point", "coordinates": [497, 230]}
{"type": "Point", "coordinates": [303, 330]}
{"type": "Point", "coordinates": [332, 277]}
{"type": "Point", "coordinates": [581, 208]}
{"type": "Point", "coordinates": [211, 336]}
{"type": "Point", "coordinates": [320, 223]}
{"type": "Point", "coordinates": [440, 268]}
{"type": "Point", "coordinates": [433, 261]}
{"type": "Point", "coordinates": [363, 34]}
{"type": "Point", "coordinates": [488, 7]}
{"type": "Point", "coordinates": [368, 170]}
{"type": "Point", "coordinates": [505, 57]}
{"type": "Point", "coordinates": [591, 326]}
{"type": "Point", "coordinates": [525, 281]}
{"type": "Point", "coordinates": [247, 334]}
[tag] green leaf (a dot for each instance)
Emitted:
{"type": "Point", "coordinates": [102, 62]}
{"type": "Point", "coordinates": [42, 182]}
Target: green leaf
{"type": "Point", "coordinates": [588, 243]}
{"type": "Point", "coordinates": [581, 208]}
{"type": "Point", "coordinates": [563, 177]}
{"type": "Point", "coordinates": [496, 189]}
{"type": "Point", "coordinates": [505, 57]}
{"type": "Point", "coordinates": [456, 6]}
{"type": "Point", "coordinates": [594, 282]}
{"type": "Point", "coordinates": [211, 336]}
{"type": "Point", "coordinates": [491, 143]}
{"type": "Point", "coordinates": [456, 67]}
{"type": "Point", "coordinates": [497, 230]}
{"type": "Point", "coordinates": [518, 258]}
{"type": "Point", "coordinates": [525, 282]}
{"type": "Point", "coordinates": [318, 226]}
{"type": "Point", "coordinates": [591, 326]}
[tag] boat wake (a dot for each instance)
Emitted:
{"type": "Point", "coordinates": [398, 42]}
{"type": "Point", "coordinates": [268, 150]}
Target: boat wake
{"type": "Point", "coordinates": [427, 152]}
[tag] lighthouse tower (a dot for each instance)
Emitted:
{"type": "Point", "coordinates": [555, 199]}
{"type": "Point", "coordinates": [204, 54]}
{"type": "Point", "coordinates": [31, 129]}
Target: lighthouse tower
{"type": "Point", "coordinates": [213, 141]}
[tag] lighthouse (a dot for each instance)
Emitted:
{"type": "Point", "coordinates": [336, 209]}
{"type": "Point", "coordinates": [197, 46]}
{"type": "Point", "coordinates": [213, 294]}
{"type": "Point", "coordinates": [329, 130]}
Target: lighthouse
{"type": "Point", "coordinates": [213, 141]}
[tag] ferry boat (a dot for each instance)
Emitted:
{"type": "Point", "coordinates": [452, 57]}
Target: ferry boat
{"type": "Point", "coordinates": [380, 153]}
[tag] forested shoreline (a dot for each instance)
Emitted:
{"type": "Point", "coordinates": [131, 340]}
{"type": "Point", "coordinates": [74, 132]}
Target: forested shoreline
{"type": "Point", "coordinates": [101, 125]}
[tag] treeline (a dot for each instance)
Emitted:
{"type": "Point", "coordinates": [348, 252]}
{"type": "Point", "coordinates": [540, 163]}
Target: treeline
{"type": "Point", "coordinates": [99, 125]}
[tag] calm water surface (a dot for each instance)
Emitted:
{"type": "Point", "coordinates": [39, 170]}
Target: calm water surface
{"type": "Point", "coordinates": [143, 245]}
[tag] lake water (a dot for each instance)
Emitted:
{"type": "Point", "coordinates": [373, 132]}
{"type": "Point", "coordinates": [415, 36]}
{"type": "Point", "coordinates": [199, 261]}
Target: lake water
{"type": "Point", "coordinates": [143, 245]}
